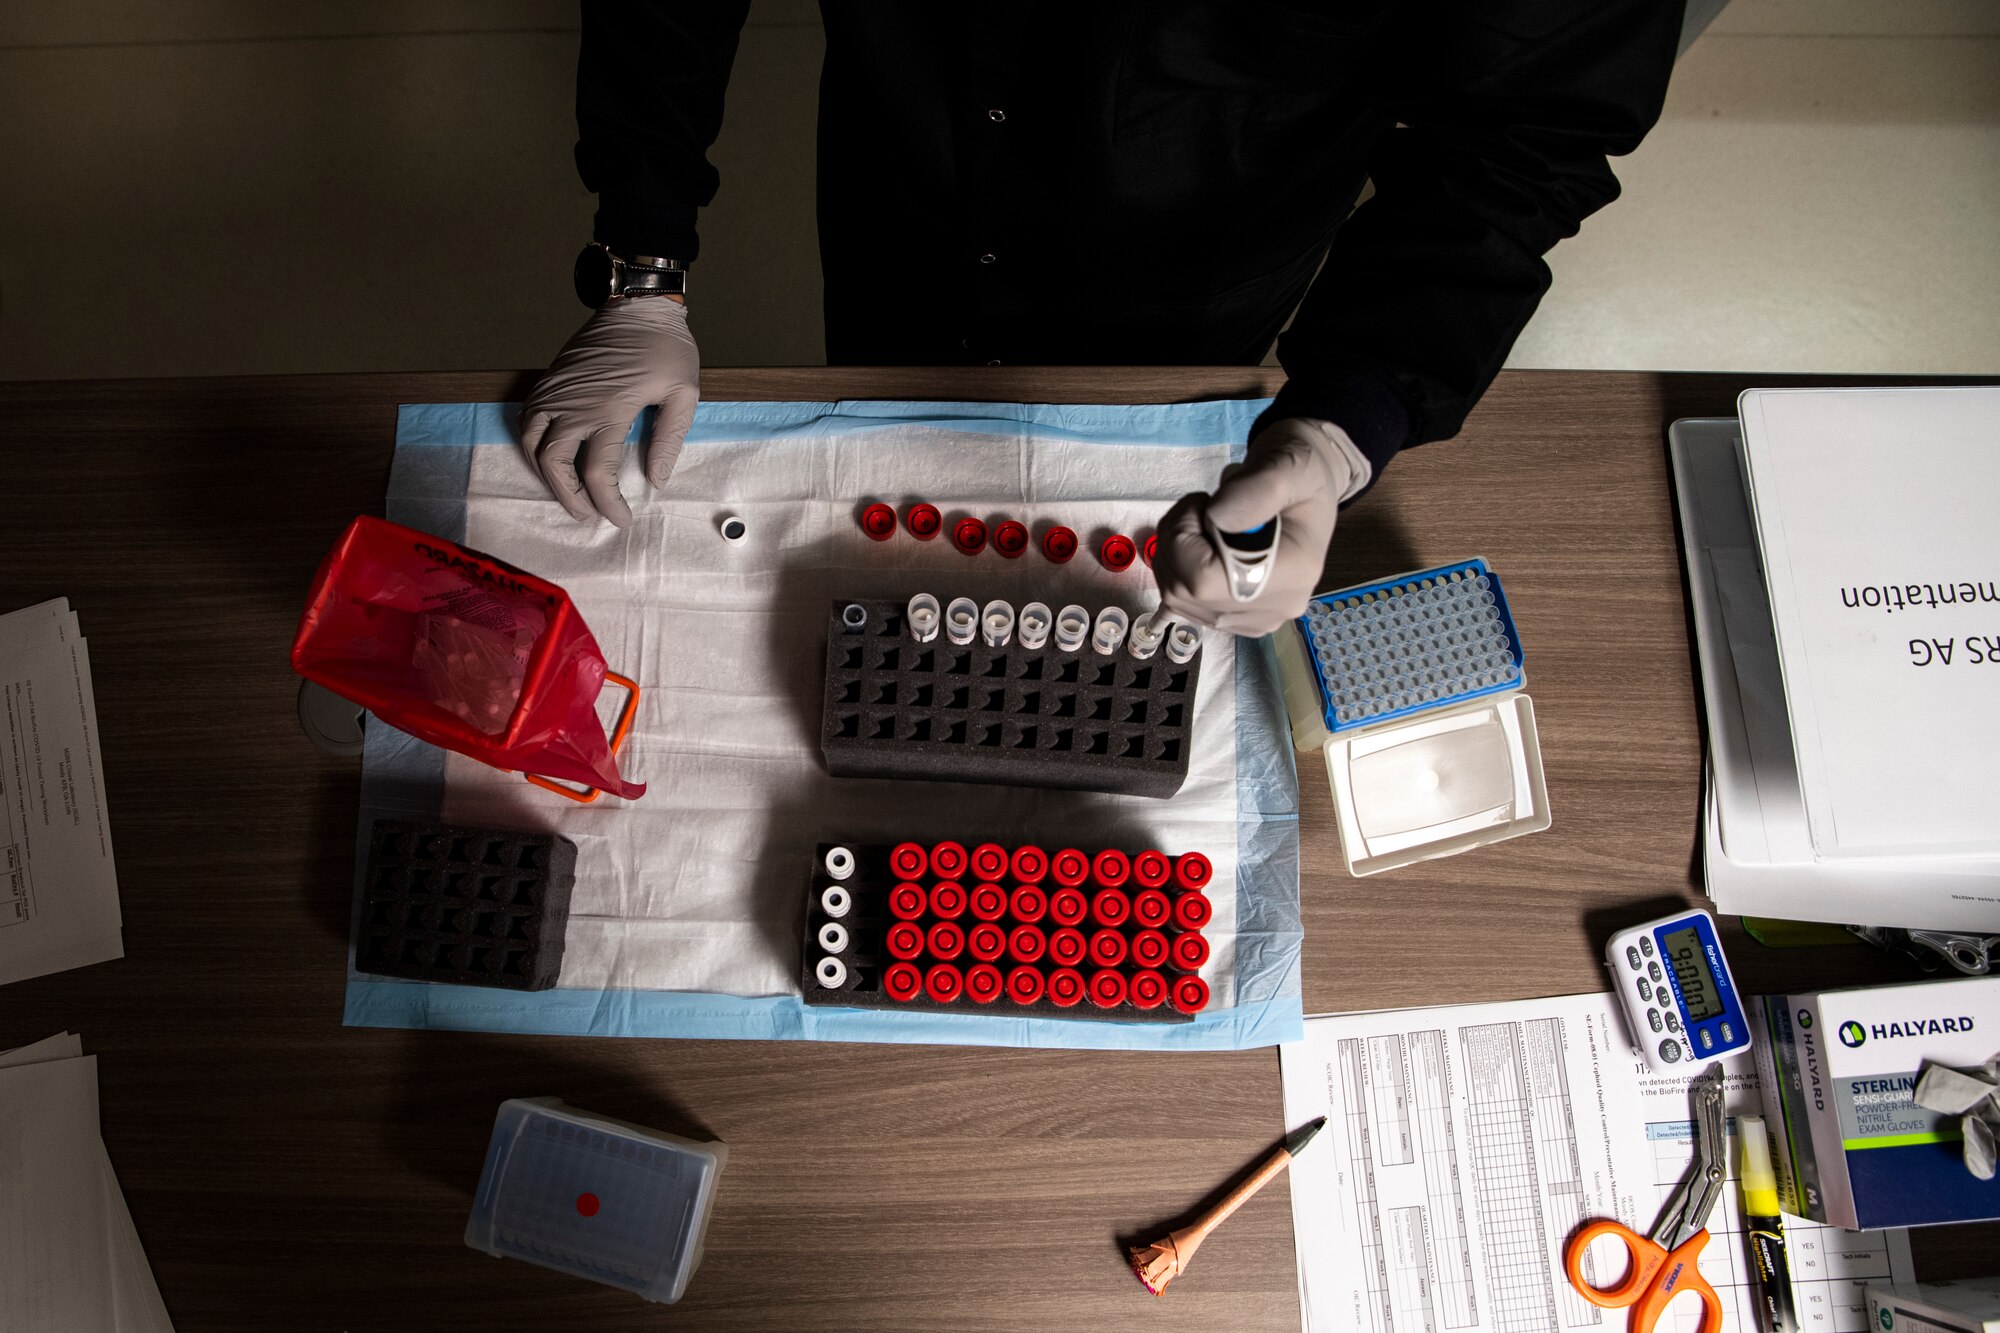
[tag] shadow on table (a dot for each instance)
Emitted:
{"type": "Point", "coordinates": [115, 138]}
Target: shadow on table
{"type": "Point", "coordinates": [450, 1084]}
{"type": "Point", "coordinates": [1368, 544]}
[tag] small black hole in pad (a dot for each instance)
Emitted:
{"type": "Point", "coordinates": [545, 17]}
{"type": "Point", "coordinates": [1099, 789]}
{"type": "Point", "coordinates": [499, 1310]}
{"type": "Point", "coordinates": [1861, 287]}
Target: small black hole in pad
{"type": "Point", "coordinates": [851, 659]}
{"type": "Point", "coordinates": [978, 713]}
{"type": "Point", "coordinates": [450, 917]}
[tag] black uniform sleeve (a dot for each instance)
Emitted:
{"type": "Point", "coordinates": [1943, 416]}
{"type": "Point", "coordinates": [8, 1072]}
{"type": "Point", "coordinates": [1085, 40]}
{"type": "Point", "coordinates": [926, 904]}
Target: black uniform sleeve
{"type": "Point", "coordinates": [649, 85]}
{"type": "Point", "coordinates": [1505, 112]}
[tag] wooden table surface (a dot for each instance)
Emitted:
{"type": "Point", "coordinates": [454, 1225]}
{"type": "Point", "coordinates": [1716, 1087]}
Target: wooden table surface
{"type": "Point", "coordinates": [285, 1171]}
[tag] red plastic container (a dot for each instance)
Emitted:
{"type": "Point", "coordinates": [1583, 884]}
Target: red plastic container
{"type": "Point", "coordinates": [1067, 947]}
{"type": "Point", "coordinates": [986, 942]}
{"type": "Point", "coordinates": [1110, 907]}
{"type": "Point", "coordinates": [945, 939]}
{"type": "Point", "coordinates": [1024, 985]}
{"type": "Point", "coordinates": [1149, 548]}
{"type": "Point", "coordinates": [1107, 988]}
{"type": "Point", "coordinates": [1027, 944]}
{"type": "Point", "coordinates": [903, 982]}
{"type": "Point", "coordinates": [1190, 994]}
{"type": "Point", "coordinates": [948, 900]}
{"type": "Point", "coordinates": [907, 902]}
{"type": "Point", "coordinates": [1192, 911]}
{"type": "Point", "coordinates": [1146, 990]}
{"type": "Point", "coordinates": [923, 521]}
{"type": "Point", "coordinates": [1150, 948]}
{"type": "Point", "coordinates": [1150, 869]}
{"type": "Point", "coordinates": [989, 861]}
{"type": "Point", "coordinates": [879, 522]}
{"type": "Point", "coordinates": [983, 983]}
{"type": "Point", "coordinates": [1069, 867]}
{"type": "Point", "coordinates": [1028, 903]}
{"type": "Point", "coordinates": [988, 902]}
{"type": "Point", "coordinates": [1107, 948]}
{"type": "Point", "coordinates": [1010, 539]}
{"type": "Point", "coordinates": [969, 536]}
{"type": "Point", "coordinates": [943, 982]}
{"type": "Point", "coordinates": [1068, 907]}
{"type": "Point", "coordinates": [1190, 950]}
{"type": "Point", "coordinates": [948, 860]}
{"type": "Point", "coordinates": [1059, 545]}
{"type": "Point", "coordinates": [905, 940]}
{"type": "Point", "coordinates": [1029, 863]}
{"type": "Point", "coordinates": [1151, 908]}
{"type": "Point", "coordinates": [909, 861]}
{"type": "Point", "coordinates": [1111, 868]}
{"type": "Point", "coordinates": [1117, 553]}
{"type": "Point", "coordinates": [1192, 871]}
{"type": "Point", "coordinates": [1065, 987]}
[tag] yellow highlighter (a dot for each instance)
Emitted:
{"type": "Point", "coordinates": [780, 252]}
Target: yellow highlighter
{"type": "Point", "coordinates": [1771, 1275]}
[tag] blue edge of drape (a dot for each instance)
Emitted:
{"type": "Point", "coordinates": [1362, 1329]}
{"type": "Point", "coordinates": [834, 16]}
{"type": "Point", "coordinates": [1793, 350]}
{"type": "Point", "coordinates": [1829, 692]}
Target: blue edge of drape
{"type": "Point", "coordinates": [403, 778]}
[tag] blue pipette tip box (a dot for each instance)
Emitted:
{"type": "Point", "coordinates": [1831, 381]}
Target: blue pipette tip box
{"type": "Point", "coordinates": [594, 1197]}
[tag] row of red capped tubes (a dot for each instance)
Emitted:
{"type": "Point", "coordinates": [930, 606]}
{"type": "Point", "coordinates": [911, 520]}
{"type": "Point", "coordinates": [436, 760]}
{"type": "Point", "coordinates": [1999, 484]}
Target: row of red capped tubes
{"type": "Point", "coordinates": [1024, 984]}
{"type": "Point", "coordinates": [1009, 537]}
{"type": "Point", "coordinates": [1068, 867]}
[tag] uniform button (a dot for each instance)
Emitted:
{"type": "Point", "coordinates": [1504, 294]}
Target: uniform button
{"type": "Point", "coordinates": [1646, 945]}
{"type": "Point", "coordinates": [1654, 969]}
{"type": "Point", "coordinates": [1673, 1021]}
{"type": "Point", "coordinates": [1707, 1040]}
{"type": "Point", "coordinates": [1670, 1050]}
{"type": "Point", "coordinates": [1653, 1017]}
{"type": "Point", "coordinates": [1728, 1032]}
{"type": "Point", "coordinates": [988, 258]}
{"type": "Point", "coordinates": [1632, 956]}
{"type": "Point", "coordinates": [1645, 989]}
{"type": "Point", "coordinates": [996, 115]}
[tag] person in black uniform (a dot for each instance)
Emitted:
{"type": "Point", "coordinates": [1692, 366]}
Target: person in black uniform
{"type": "Point", "coordinates": [1127, 182]}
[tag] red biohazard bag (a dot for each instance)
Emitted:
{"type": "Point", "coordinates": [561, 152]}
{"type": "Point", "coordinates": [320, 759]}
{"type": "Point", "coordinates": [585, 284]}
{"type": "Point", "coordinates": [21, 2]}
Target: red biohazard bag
{"type": "Point", "coordinates": [464, 651]}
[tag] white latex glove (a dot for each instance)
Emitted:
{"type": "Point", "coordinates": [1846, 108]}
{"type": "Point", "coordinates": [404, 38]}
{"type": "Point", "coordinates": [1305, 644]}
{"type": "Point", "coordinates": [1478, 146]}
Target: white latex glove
{"type": "Point", "coordinates": [633, 353]}
{"type": "Point", "coordinates": [1297, 468]}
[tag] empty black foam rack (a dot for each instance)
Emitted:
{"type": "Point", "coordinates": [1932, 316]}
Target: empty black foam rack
{"type": "Point", "coordinates": [473, 906]}
{"type": "Point", "coordinates": [1026, 717]}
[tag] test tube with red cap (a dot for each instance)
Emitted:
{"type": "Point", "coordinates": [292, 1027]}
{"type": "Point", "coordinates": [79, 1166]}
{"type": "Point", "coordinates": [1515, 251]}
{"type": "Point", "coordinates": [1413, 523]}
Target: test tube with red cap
{"type": "Point", "coordinates": [988, 902]}
{"type": "Point", "coordinates": [969, 535]}
{"type": "Point", "coordinates": [1029, 864]}
{"type": "Point", "coordinates": [1192, 911]}
{"type": "Point", "coordinates": [1107, 988]}
{"type": "Point", "coordinates": [943, 982]}
{"type": "Point", "coordinates": [948, 861]}
{"type": "Point", "coordinates": [1151, 909]}
{"type": "Point", "coordinates": [1058, 545]}
{"type": "Point", "coordinates": [1147, 989]}
{"type": "Point", "coordinates": [1150, 948]}
{"type": "Point", "coordinates": [1010, 538]}
{"type": "Point", "coordinates": [1027, 944]}
{"type": "Point", "coordinates": [1069, 867]}
{"type": "Point", "coordinates": [1192, 871]}
{"type": "Point", "coordinates": [1107, 948]}
{"type": "Point", "coordinates": [1024, 985]}
{"type": "Point", "coordinates": [945, 939]}
{"type": "Point", "coordinates": [948, 899]}
{"type": "Point", "coordinates": [905, 941]}
{"type": "Point", "coordinates": [983, 983]}
{"type": "Point", "coordinates": [989, 861]}
{"type": "Point", "coordinates": [1067, 946]}
{"type": "Point", "coordinates": [1111, 868]}
{"type": "Point", "coordinates": [1117, 553]}
{"type": "Point", "coordinates": [1190, 994]}
{"type": "Point", "coordinates": [987, 942]}
{"type": "Point", "coordinates": [908, 860]}
{"type": "Point", "coordinates": [1110, 907]}
{"type": "Point", "coordinates": [1065, 987]}
{"type": "Point", "coordinates": [1150, 869]}
{"type": "Point", "coordinates": [907, 902]}
{"type": "Point", "coordinates": [879, 522]}
{"type": "Point", "coordinates": [923, 521]}
{"type": "Point", "coordinates": [1068, 907]}
{"type": "Point", "coordinates": [1027, 903]}
{"type": "Point", "coordinates": [902, 982]}
{"type": "Point", "coordinates": [1189, 950]}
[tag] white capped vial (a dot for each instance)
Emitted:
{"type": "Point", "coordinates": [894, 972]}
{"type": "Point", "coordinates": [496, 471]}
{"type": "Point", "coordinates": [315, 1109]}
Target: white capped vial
{"type": "Point", "coordinates": [733, 529]}
{"type": "Point", "coordinates": [923, 616]}
{"type": "Point", "coordinates": [1033, 624]}
{"type": "Point", "coordinates": [854, 615]}
{"type": "Point", "coordinates": [1183, 642]}
{"type": "Point", "coordinates": [835, 901]}
{"type": "Point", "coordinates": [1072, 624]}
{"type": "Point", "coordinates": [833, 937]}
{"type": "Point", "coordinates": [996, 623]}
{"type": "Point", "coordinates": [961, 620]}
{"type": "Point", "coordinates": [1146, 636]}
{"type": "Point", "coordinates": [839, 863]}
{"type": "Point", "coordinates": [831, 973]}
{"type": "Point", "coordinates": [1109, 636]}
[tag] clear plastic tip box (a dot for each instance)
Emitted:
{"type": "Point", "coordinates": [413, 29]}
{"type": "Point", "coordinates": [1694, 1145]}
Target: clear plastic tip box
{"type": "Point", "coordinates": [1412, 690]}
{"type": "Point", "coordinates": [596, 1198]}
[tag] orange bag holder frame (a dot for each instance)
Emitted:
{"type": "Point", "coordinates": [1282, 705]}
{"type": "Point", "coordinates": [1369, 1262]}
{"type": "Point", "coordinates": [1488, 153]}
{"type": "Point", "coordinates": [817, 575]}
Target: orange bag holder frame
{"type": "Point", "coordinates": [619, 730]}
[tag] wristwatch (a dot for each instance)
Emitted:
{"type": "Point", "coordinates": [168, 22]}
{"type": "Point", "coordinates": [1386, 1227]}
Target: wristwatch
{"type": "Point", "coordinates": [603, 276]}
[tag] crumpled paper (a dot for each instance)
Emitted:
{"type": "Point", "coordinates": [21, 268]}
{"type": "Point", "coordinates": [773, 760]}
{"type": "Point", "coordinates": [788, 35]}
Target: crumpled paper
{"type": "Point", "coordinates": [1973, 1095]}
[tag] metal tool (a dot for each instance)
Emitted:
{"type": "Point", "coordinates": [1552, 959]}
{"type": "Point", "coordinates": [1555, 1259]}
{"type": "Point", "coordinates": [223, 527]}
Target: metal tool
{"type": "Point", "coordinates": [1667, 1262]}
{"type": "Point", "coordinates": [1246, 557]}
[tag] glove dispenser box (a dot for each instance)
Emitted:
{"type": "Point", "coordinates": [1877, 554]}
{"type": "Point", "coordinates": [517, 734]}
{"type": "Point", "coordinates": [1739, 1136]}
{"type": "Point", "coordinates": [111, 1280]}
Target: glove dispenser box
{"type": "Point", "coordinates": [1412, 691]}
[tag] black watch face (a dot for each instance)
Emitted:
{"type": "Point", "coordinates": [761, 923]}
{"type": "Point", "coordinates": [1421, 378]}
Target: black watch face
{"type": "Point", "coordinates": [593, 276]}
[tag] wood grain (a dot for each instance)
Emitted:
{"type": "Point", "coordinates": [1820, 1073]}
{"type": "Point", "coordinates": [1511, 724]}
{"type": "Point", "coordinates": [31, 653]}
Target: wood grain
{"type": "Point", "coordinates": [279, 1164]}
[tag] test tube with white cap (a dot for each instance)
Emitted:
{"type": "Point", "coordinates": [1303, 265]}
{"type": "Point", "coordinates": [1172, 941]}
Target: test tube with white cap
{"type": "Point", "coordinates": [1146, 636]}
{"type": "Point", "coordinates": [835, 901]}
{"type": "Point", "coordinates": [833, 937]}
{"type": "Point", "coordinates": [1109, 636]}
{"type": "Point", "coordinates": [1033, 625]}
{"type": "Point", "coordinates": [961, 620]}
{"type": "Point", "coordinates": [831, 973]}
{"type": "Point", "coordinates": [1072, 624]}
{"type": "Point", "coordinates": [839, 863]}
{"type": "Point", "coordinates": [923, 617]}
{"type": "Point", "coordinates": [1183, 642]}
{"type": "Point", "coordinates": [854, 615]}
{"type": "Point", "coordinates": [996, 623]}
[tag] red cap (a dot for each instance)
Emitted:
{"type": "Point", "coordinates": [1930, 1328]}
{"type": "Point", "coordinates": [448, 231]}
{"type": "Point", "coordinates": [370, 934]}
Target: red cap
{"type": "Point", "coordinates": [1024, 985]}
{"type": "Point", "coordinates": [1190, 994]}
{"type": "Point", "coordinates": [1029, 863]}
{"type": "Point", "coordinates": [923, 521]}
{"type": "Point", "coordinates": [948, 900]}
{"type": "Point", "coordinates": [1110, 907]}
{"type": "Point", "coordinates": [908, 901]}
{"type": "Point", "coordinates": [1149, 548]}
{"type": "Point", "coordinates": [909, 861]}
{"type": "Point", "coordinates": [1059, 545]}
{"type": "Point", "coordinates": [1010, 538]}
{"type": "Point", "coordinates": [1151, 909]}
{"type": "Point", "coordinates": [902, 981]}
{"type": "Point", "coordinates": [989, 860]}
{"type": "Point", "coordinates": [1067, 947]}
{"type": "Point", "coordinates": [983, 983]}
{"type": "Point", "coordinates": [1107, 988]}
{"type": "Point", "coordinates": [1117, 553]}
{"type": "Point", "coordinates": [1028, 903]}
{"type": "Point", "coordinates": [986, 941]}
{"type": "Point", "coordinates": [1146, 990]}
{"type": "Point", "coordinates": [879, 522]}
{"type": "Point", "coordinates": [1069, 867]}
{"type": "Point", "coordinates": [989, 902]}
{"type": "Point", "coordinates": [1065, 987]}
{"type": "Point", "coordinates": [1149, 948]}
{"type": "Point", "coordinates": [948, 860]}
{"type": "Point", "coordinates": [945, 939]}
{"type": "Point", "coordinates": [943, 982]}
{"type": "Point", "coordinates": [1027, 944]}
{"type": "Point", "coordinates": [1111, 868]}
{"type": "Point", "coordinates": [1107, 948]}
{"type": "Point", "coordinates": [1152, 869]}
{"type": "Point", "coordinates": [969, 535]}
{"type": "Point", "coordinates": [1192, 871]}
{"type": "Point", "coordinates": [1192, 911]}
{"type": "Point", "coordinates": [1068, 907]}
{"type": "Point", "coordinates": [906, 940]}
{"type": "Point", "coordinates": [1190, 950]}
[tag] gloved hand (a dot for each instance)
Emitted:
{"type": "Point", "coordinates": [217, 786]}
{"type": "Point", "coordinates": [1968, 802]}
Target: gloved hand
{"type": "Point", "coordinates": [633, 353]}
{"type": "Point", "coordinates": [1298, 469]}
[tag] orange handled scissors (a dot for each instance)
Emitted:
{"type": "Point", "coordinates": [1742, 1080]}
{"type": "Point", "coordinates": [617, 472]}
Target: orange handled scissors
{"type": "Point", "coordinates": [1665, 1263]}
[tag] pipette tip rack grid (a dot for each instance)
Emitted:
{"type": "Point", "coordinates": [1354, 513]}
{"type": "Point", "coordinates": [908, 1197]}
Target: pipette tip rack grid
{"type": "Point", "coordinates": [1386, 650]}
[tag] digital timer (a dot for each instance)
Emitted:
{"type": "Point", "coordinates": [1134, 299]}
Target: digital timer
{"type": "Point", "coordinates": [1674, 985]}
